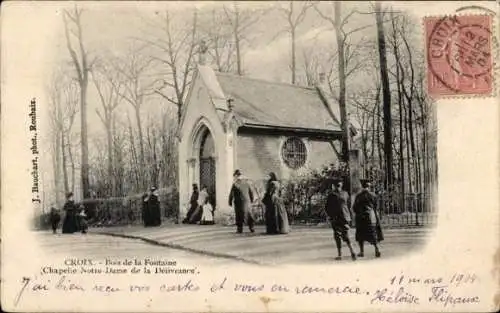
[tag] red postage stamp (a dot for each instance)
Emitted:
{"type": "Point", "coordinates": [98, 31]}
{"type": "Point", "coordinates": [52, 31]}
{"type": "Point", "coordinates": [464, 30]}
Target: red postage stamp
{"type": "Point", "coordinates": [459, 55]}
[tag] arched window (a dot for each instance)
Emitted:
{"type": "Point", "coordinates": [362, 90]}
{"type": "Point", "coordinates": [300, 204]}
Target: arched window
{"type": "Point", "coordinates": [294, 153]}
{"type": "Point", "coordinates": [207, 146]}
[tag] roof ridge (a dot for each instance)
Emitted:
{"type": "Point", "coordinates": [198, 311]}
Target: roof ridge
{"type": "Point", "coordinates": [217, 73]}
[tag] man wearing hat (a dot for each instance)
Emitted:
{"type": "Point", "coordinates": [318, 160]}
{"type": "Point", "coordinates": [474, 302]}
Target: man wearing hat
{"type": "Point", "coordinates": [367, 220]}
{"type": "Point", "coordinates": [340, 216]}
{"type": "Point", "coordinates": [241, 197]}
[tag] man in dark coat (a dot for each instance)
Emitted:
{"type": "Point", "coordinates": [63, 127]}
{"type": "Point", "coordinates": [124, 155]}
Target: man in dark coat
{"type": "Point", "coordinates": [154, 207]}
{"type": "Point", "coordinates": [339, 216]}
{"type": "Point", "coordinates": [241, 197]}
{"type": "Point", "coordinates": [367, 220]}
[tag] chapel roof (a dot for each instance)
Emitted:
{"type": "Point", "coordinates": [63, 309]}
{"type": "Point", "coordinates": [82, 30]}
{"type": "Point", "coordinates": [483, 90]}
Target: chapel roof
{"type": "Point", "coordinates": [271, 104]}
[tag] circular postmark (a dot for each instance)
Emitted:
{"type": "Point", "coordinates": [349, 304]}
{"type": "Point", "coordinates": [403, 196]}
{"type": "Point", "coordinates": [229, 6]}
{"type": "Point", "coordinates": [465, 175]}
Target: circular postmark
{"type": "Point", "coordinates": [470, 60]}
{"type": "Point", "coordinates": [459, 52]}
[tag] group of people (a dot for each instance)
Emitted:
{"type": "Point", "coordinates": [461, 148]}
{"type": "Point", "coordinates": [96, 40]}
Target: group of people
{"type": "Point", "coordinates": [241, 198]}
{"type": "Point", "coordinates": [75, 218]}
{"type": "Point", "coordinates": [200, 210]}
{"type": "Point", "coordinates": [366, 218]}
{"type": "Point", "coordinates": [362, 212]}
{"type": "Point", "coordinates": [151, 213]}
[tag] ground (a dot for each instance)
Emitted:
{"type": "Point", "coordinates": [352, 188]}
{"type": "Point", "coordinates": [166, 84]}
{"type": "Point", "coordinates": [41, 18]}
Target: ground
{"type": "Point", "coordinates": [101, 247]}
{"type": "Point", "coordinates": [216, 244]}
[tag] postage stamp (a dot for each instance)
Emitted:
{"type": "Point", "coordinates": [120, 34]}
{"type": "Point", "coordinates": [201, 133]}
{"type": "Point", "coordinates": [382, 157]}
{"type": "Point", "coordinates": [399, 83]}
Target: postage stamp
{"type": "Point", "coordinates": [459, 55]}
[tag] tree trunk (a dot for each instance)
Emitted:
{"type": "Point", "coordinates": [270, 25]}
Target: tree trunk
{"type": "Point", "coordinates": [425, 160]}
{"type": "Point", "coordinates": [57, 169]}
{"type": "Point", "coordinates": [342, 81]}
{"type": "Point", "coordinates": [109, 139]}
{"type": "Point", "coordinates": [400, 82]}
{"type": "Point", "coordinates": [142, 160]}
{"type": "Point", "coordinates": [82, 69]}
{"type": "Point", "coordinates": [84, 136]}
{"type": "Point", "coordinates": [64, 167]}
{"type": "Point", "coordinates": [73, 169]}
{"type": "Point", "coordinates": [375, 120]}
{"type": "Point", "coordinates": [292, 31]}
{"type": "Point", "coordinates": [386, 96]}
{"type": "Point", "coordinates": [379, 146]}
{"type": "Point", "coordinates": [133, 160]}
{"type": "Point", "coordinates": [237, 39]}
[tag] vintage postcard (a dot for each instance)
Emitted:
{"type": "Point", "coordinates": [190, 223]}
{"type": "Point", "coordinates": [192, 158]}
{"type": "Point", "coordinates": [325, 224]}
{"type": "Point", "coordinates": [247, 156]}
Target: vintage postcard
{"type": "Point", "coordinates": [268, 156]}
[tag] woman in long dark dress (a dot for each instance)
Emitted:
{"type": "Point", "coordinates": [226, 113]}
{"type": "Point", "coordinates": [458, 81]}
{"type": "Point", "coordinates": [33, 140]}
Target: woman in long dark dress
{"type": "Point", "coordinates": [70, 224]}
{"type": "Point", "coordinates": [146, 216]}
{"type": "Point", "coordinates": [367, 220]}
{"type": "Point", "coordinates": [193, 204]}
{"type": "Point", "coordinates": [282, 226]}
{"type": "Point", "coordinates": [271, 215]}
{"type": "Point", "coordinates": [154, 207]}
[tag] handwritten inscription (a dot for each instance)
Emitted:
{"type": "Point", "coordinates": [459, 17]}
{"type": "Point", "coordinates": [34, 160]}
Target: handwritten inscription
{"type": "Point", "coordinates": [330, 290]}
{"type": "Point", "coordinates": [442, 295]}
{"type": "Point", "coordinates": [389, 296]}
{"type": "Point", "coordinates": [398, 290]}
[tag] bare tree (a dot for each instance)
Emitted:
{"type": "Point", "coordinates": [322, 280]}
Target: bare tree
{"type": "Point", "coordinates": [365, 109]}
{"type": "Point", "coordinates": [54, 92]}
{"type": "Point", "coordinates": [240, 22]}
{"type": "Point", "coordinates": [119, 158]}
{"type": "Point", "coordinates": [217, 32]}
{"type": "Point", "coordinates": [173, 46]}
{"type": "Point", "coordinates": [168, 162]}
{"type": "Point", "coordinates": [109, 87]}
{"type": "Point", "coordinates": [338, 23]}
{"type": "Point", "coordinates": [386, 95]}
{"type": "Point", "coordinates": [79, 56]}
{"type": "Point", "coordinates": [134, 85]}
{"type": "Point", "coordinates": [134, 171]}
{"type": "Point", "coordinates": [294, 16]}
{"type": "Point", "coordinates": [63, 94]}
{"type": "Point", "coordinates": [399, 75]}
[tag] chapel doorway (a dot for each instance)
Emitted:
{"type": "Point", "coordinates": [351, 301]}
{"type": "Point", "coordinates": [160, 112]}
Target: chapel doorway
{"type": "Point", "coordinates": [207, 165]}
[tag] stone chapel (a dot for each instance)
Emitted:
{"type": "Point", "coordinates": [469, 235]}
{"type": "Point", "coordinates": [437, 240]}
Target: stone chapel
{"type": "Point", "coordinates": [234, 122]}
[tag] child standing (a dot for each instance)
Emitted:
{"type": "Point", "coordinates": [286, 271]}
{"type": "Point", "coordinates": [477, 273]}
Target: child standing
{"type": "Point", "coordinates": [82, 220]}
{"type": "Point", "coordinates": [55, 218]}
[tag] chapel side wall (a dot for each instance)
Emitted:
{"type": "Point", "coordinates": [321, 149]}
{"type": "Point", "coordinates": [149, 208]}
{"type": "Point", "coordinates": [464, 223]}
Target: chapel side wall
{"type": "Point", "coordinates": [257, 155]}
